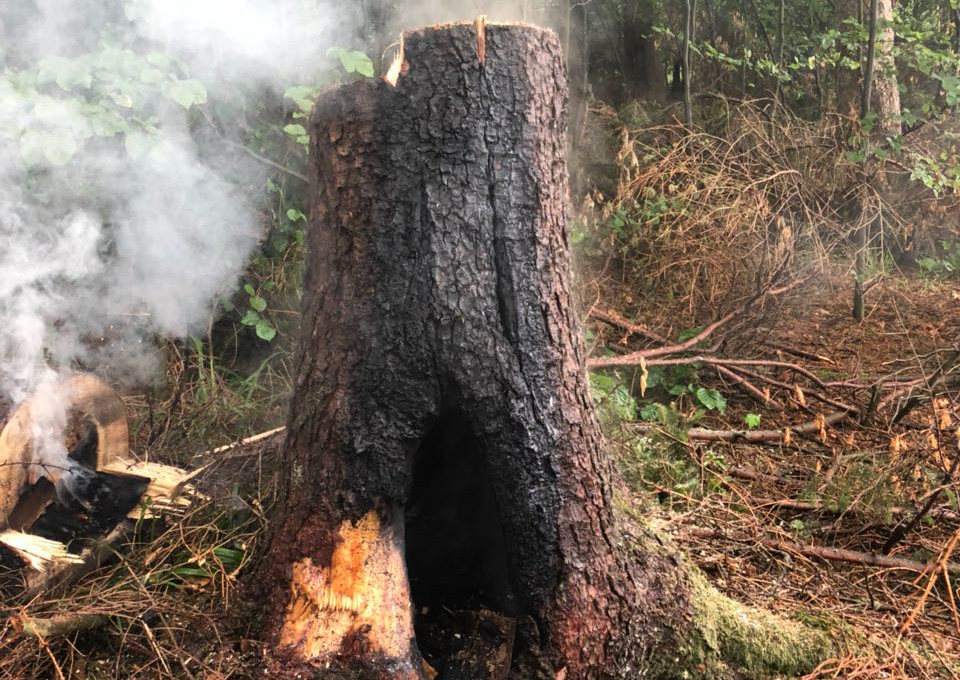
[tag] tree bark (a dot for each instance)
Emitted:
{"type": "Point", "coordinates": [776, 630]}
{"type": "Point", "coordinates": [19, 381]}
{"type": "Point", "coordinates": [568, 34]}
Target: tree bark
{"type": "Point", "coordinates": [442, 451]}
{"type": "Point", "coordinates": [886, 92]}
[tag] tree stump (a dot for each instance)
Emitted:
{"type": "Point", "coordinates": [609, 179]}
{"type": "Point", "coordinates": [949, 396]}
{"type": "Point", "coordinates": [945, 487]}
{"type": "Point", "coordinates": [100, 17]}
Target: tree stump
{"type": "Point", "coordinates": [442, 452]}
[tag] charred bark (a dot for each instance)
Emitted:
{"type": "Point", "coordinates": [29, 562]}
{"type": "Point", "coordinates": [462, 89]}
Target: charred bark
{"type": "Point", "coordinates": [442, 451]}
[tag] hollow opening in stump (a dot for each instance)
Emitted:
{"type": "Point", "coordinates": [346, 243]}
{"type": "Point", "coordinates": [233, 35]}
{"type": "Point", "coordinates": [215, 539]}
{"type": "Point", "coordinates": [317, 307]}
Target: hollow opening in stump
{"type": "Point", "coordinates": [455, 548]}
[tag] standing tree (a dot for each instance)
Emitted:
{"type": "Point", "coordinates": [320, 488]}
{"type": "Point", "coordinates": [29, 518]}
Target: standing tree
{"type": "Point", "coordinates": [442, 449]}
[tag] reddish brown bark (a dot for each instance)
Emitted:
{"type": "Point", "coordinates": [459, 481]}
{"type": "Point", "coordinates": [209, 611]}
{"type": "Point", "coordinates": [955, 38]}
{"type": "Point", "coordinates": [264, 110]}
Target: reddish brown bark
{"type": "Point", "coordinates": [441, 411]}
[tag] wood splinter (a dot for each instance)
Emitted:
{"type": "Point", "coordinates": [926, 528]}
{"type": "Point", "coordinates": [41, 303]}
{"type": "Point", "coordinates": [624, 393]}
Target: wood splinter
{"type": "Point", "coordinates": [480, 24]}
{"type": "Point", "coordinates": [396, 66]}
{"type": "Point", "coordinates": [37, 552]}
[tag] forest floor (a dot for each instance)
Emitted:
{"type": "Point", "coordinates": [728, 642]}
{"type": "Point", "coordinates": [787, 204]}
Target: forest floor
{"type": "Point", "coordinates": [792, 523]}
{"type": "Point", "coordinates": [789, 525]}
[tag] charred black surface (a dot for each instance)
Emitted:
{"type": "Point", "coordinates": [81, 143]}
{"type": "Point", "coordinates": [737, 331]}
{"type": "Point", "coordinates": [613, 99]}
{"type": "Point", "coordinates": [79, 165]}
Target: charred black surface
{"type": "Point", "coordinates": [93, 506]}
{"type": "Point", "coordinates": [87, 503]}
{"type": "Point", "coordinates": [456, 555]}
{"type": "Point", "coordinates": [440, 368]}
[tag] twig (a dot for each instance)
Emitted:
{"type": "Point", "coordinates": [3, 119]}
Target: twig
{"type": "Point", "coordinates": [807, 392]}
{"type": "Point", "coordinates": [901, 530]}
{"type": "Point", "coordinates": [834, 554]}
{"type": "Point", "coordinates": [817, 506]}
{"type": "Point", "coordinates": [273, 164]}
{"type": "Point", "coordinates": [40, 627]}
{"type": "Point", "coordinates": [760, 436]}
{"type": "Point", "coordinates": [803, 354]}
{"type": "Point", "coordinates": [634, 359]}
{"type": "Point", "coordinates": [252, 439]}
{"type": "Point", "coordinates": [615, 319]}
{"type": "Point", "coordinates": [942, 565]}
{"type": "Point", "coordinates": [748, 387]}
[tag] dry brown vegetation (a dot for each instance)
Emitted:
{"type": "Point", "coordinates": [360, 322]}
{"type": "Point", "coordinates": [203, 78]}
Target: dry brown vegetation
{"type": "Point", "coordinates": [837, 504]}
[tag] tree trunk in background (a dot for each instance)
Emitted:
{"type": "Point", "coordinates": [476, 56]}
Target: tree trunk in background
{"type": "Point", "coordinates": [643, 70]}
{"type": "Point", "coordinates": [847, 79]}
{"type": "Point", "coordinates": [886, 93]}
{"type": "Point", "coordinates": [442, 450]}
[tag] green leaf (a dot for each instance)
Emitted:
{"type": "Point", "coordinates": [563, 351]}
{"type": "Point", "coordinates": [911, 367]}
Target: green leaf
{"type": "Point", "coordinates": [186, 93]}
{"type": "Point", "coordinates": [248, 289]}
{"type": "Point", "coordinates": [257, 303]}
{"type": "Point", "coordinates": [689, 333]}
{"type": "Point", "coordinates": [354, 61]}
{"type": "Point", "coordinates": [55, 147]}
{"type": "Point", "coordinates": [303, 96]}
{"type": "Point", "coordinates": [152, 76]}
{"type": "Point", "coordinates": [752, 420]}
{"type": "Point", "coordinates": [251, 318]}
{"type": "Point", "coordinates": [293, 215]}
{"type": "Point", "coordinates": [265, 331]}
{"type": "Point", "coordinates": [66, 73]}
{"type": "Point", "coordinates": [711, 400]}
{"type": "Point", "coordinates": [650, 412]}
{"type": "Point", "coordinates": [295, 130]}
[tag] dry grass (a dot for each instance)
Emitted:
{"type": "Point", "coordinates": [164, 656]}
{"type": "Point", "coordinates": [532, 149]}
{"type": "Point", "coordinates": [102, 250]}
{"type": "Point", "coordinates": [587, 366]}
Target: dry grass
{"type": "Point", "coordinates": [159, 608]}
{"type": "Point", "coordinates": [699, 221]}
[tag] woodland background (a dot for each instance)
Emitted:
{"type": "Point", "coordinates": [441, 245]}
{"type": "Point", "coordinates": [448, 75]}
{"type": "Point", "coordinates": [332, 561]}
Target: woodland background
{"type": "Point", "coordinates": [764, 214]}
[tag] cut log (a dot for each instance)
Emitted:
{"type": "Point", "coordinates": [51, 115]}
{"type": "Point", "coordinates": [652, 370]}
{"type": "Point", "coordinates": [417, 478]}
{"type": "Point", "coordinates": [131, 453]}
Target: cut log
{"type": "Point", "coordinates": [27, 504]}
{"type": "Point", "coordinates": [442, 450]}
{"type": "Point", "coordinates": [94, 401]}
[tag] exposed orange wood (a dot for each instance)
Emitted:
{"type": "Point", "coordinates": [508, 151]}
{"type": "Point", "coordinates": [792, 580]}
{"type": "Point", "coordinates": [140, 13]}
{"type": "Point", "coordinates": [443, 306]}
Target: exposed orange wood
{"type": "Point", "coordinates": [360, 597]}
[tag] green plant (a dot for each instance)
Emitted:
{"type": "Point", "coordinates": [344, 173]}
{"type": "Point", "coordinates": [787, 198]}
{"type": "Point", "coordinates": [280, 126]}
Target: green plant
{"type": "Point", "coordinates": [944, 265]}
{"type": "Point", "coordinates": [612, 399]}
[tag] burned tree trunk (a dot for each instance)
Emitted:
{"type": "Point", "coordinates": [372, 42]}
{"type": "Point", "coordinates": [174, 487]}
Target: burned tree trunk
{"type": "Point", "coordinates": [442, 452]}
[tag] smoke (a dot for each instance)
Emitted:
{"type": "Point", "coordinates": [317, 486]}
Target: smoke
{"type": "Point", "coordinates": [116, 226]}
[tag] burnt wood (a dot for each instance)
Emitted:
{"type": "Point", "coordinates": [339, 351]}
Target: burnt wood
{"type": "Point", "coordinates": [440, 383]}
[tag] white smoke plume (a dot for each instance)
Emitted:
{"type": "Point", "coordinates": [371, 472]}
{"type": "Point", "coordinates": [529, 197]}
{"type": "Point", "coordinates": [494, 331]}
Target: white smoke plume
{"type": "Point", "coordinates": [112, 234]}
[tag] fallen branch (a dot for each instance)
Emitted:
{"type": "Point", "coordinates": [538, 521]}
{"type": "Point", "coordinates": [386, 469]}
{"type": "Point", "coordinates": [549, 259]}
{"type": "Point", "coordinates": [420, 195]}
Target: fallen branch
{"type": "Point", "coordinates": [762, 397]}
{"type": "Point", "coordinates": [817, 506]}
{"type": "Point", "coordinates": [833, 554]}
{"type": "Point", "coordinates": [36, 627]}
{"type": "Point", "coordinates": [634, 358]}
{"type": "Point", "coordinates": [758, 436]}
{"type": "Point", "coordinates": [615, 319]}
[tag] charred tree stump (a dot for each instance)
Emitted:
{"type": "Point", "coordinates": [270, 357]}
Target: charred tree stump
{"type": "Point", "coordinates": [442, 452]}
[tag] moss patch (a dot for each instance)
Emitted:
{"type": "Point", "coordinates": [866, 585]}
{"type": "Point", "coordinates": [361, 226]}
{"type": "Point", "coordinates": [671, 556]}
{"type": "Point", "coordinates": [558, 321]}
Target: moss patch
{"type": "Point", "coordinates": [727, 639]}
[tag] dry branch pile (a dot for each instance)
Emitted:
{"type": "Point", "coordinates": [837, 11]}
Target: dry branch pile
{"type": "Point", "coordinates": [841, 506]}
{"type": "Point", "coordinates": [699, 221]}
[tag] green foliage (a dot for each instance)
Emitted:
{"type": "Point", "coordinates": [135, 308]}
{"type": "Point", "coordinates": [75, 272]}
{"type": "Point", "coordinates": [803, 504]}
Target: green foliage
{"type": "Point", "coordinates": [612, 399]}
{"type": "Point", "coordinates": [67, 102]}
{"type": "Point", "coordinates": [353, 61]}
{"type": "Point", "coordinates": [752, 421]}
{"type": "Point", "coordinates": [945, 265]}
